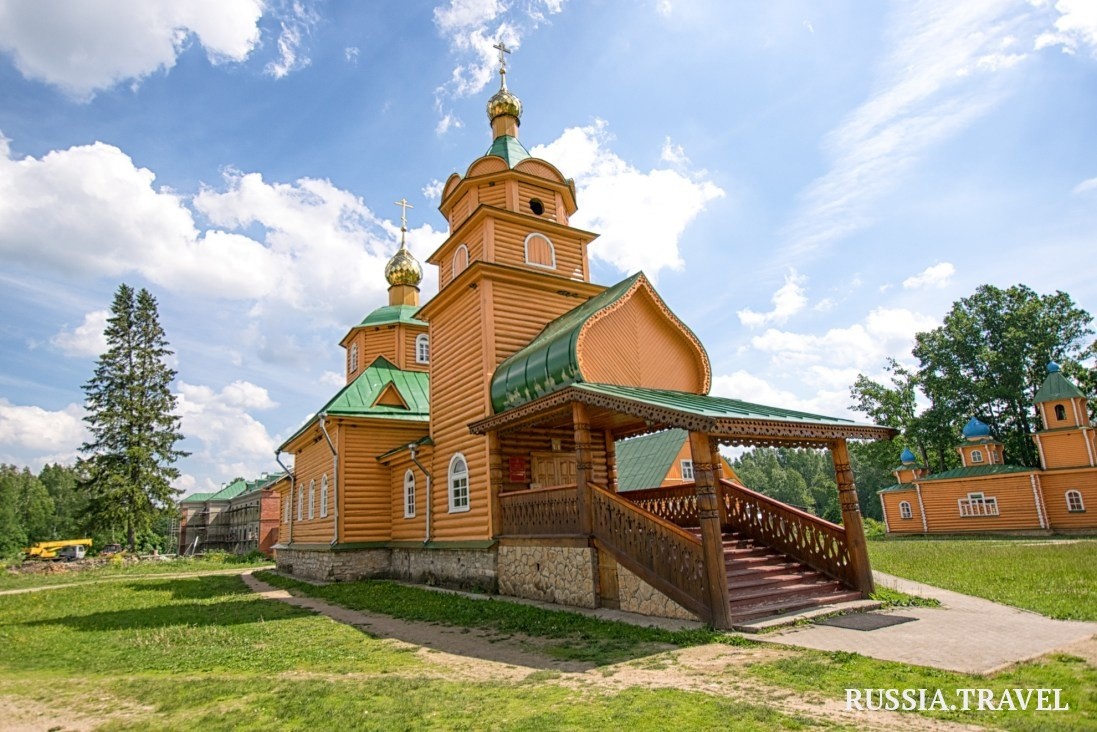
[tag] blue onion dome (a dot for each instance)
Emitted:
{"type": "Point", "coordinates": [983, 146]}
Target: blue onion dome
{"type": "Point", "coordinates": [1052, 367]}
{"type": "Point", "coordinates": [907, 457]}
{"type": "Point", "coordinates": [975, 430]}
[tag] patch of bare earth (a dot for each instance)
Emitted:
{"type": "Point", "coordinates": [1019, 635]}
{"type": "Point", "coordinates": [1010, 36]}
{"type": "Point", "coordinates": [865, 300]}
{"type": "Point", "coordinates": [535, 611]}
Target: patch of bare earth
{"type": "Point", "coordinates": [18, 714]}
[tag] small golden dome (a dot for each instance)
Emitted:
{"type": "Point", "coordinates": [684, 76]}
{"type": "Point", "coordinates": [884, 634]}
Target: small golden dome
{"type": "Point", "coordinates": [403, 269]}
{"type": "Point", "coordinates": [504, 102]}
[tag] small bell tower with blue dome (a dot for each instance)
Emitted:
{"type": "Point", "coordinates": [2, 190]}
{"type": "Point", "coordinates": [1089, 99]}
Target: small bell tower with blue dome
{"type": "Point", "coordinates": [979, 446]}
{"type": "Point", "coordinates": [1068, 439]}
{"type": "Point", "coordinates": [910, 470]}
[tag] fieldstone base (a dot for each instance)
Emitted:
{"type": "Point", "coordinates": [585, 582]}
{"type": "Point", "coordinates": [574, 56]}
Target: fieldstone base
{"type": "Point", "coordinates": [321, 564]}
{"type": "Point", "coordinates": [564, 575]}
{"type": "Point", "coordinates": [637, 596]}
{"type": "Point", "coordinates": [465, 569]}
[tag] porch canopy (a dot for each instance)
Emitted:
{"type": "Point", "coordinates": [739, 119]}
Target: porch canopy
{"type": "Point", "coordinates": [625, 411]}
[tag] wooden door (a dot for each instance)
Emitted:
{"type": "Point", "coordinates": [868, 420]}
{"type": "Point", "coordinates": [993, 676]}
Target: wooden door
{"type": "Point", "coordinates": [553, 468]}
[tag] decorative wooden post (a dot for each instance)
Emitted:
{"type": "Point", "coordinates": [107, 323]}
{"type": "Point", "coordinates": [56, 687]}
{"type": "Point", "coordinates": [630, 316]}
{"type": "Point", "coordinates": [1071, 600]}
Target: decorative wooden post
{"type": "Point", "coordinates": [851, 518]}
{"type": "Point", "coordinates": [611, 462]}
{"type": "Point", "coordinates": [583, 466]}
{"type": "Point", "coordinates": [495, 482]}
{"type": "Point", "coordinates": [711, 532]}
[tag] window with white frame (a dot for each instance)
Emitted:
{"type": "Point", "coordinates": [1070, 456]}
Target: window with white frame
{"type": "Point", "coordinates": [1074, 502]}
{"type": "Point", "coordinates": [976, 456]}
{"type": "Point", "coordinates": [458, 484]}
{"type": "Point", "coordinates": [312, 499]}
{"type": "Point", "coordinates": [687, 469]}
{"type": "Point", "coordinates": [288, 511]}
{"type": "Point", "coordinates": [353, 357]}
{"type": "Point", "coordinates": [904, 510]}
{"type": "Point", "coordinates": [300, 503]}
{"type": "Point", "coordinates": [422, 348]}
{"type": "Point", "coordinates": [324, 496]}
{"type": "Point", "coordinates": [409, 494]}
{"type": "Point", "coordinates": [460, 260]}
{"type": "Point", "coordinates": [540, 252]}
{"type": "Point", "coordinates": [978, 504]}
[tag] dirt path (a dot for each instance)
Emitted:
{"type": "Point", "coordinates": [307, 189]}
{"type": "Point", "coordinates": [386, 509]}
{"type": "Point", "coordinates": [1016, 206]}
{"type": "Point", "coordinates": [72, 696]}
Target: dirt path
{"type": "Point", "coordinates": [717, 669]}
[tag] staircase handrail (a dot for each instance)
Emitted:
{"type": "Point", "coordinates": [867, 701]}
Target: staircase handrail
{"type": "Point", "coordinates": [664, 555]}
{"type": "Point", "coordinates": [677, 504]}
{"type": "Point", "coordinates": [551, 511]}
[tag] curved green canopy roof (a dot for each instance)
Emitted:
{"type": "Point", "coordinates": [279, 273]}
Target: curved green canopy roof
{"type": "Point", "coordinates": [550, 361]}
{"type": "Point", "coordinates": [509, 149]}
{"type": "Point", "coordinates": [390, 314]}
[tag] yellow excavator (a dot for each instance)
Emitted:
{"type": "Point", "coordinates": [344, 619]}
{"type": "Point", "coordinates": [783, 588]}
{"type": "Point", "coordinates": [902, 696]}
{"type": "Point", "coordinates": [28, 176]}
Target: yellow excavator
{"type": "Point", "coordinates": [55, 551]}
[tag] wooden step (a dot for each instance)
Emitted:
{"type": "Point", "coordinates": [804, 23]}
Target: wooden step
{"type": "Point", "coordinates": [759, 593]}
{"type": "Point", "coordinates": [741, 583]}
{"type": "Point", "coordinates": [789, 604]}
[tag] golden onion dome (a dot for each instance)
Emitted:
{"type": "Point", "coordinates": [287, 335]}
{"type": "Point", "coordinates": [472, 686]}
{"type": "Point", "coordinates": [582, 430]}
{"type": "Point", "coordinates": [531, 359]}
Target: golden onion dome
{"type": "Point", "coordinates": [403, 269]}
{"type": "Point", "coordinates": [504, 102]}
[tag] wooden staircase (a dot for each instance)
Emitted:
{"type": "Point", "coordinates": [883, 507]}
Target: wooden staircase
{"type": "Point", "coordinates": [763, 582]}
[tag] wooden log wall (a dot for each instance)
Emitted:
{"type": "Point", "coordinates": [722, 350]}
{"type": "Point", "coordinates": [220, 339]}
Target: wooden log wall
{"type": "Point", "coordinates": [311, 463]}
{"type": "Point", "coordinates": [521, 444]}
{"type": "Point", "coordinates": [403, 528]}
{"type": "Point", "coordinates": [366, 486]}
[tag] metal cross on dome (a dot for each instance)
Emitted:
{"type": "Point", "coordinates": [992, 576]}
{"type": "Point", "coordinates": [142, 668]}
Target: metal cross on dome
{"type": "Point", "coordinates": [501, 47]}
{"type": "Point", "coordinates": [404, 206]}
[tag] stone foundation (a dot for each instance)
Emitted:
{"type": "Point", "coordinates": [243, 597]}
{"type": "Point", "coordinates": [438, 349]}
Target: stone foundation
{"type": "Point", "coordinates": [466, 569]}
{"type": "Point", "coordinates": [639, 597]}
{"type": "Point", "coordinates": [563, 575]}
{"type": "Point", "coordinates": [321, 564]}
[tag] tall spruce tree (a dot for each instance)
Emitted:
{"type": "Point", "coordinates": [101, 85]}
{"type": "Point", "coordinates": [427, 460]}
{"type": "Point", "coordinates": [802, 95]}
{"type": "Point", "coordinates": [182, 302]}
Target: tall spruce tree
{"type": "Point", "coordinates": [129, 460]}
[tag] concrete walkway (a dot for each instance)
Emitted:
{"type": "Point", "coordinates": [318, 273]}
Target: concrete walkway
{"type": "Point", "coordinates": [966, 634]}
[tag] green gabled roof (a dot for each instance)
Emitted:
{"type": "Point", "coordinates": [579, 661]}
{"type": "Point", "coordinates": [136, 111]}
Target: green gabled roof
{"type": "Point", "coordinates": [978, 470]}
{"type": "Point", "coordinates": [550, 361]}
{"type": "Point", "coordinates": [357, 398]}
{"type": "Point", "coordinates": [509, 149]}
{"type": "Point", "coordinates": [196, 498]}
{"type": "Point", "coordinates": [1055, 387]}
{"type": "Point", "coordinates": [232, 490]}
{"type": "Point", "coordinates": [643, 462]}
{"type": "Point", "coordinates": [390, 314]}
{"type": "Point", "coordinates": [899, 487]}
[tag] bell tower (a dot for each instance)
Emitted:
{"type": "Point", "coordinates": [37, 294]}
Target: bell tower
{"type": "Point", "coordinates": [510, 265]}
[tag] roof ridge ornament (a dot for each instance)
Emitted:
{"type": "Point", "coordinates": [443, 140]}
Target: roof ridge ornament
{"type": "Point", "coordinates": [403, 268]}
{"type": "Point", "coordinates": [404, 206]}
{"type": "Point", "coordinates": [504, 103]}
{"type": "Point", "coordinates": [501, 47]}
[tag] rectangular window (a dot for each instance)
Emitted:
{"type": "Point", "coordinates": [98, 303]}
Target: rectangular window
{"type": "Point", "coordinates": [459, 494]}
{"type": "Point", "coordinates": [324, 497]}
{"type": "Point", "coordinates": [687, 470]}
{"type": "Point", "coordinates": [977, 504]}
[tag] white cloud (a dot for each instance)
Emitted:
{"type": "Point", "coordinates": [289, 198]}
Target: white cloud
{"type": "Point", "coordinates": [1090, 184]}
{"type": "Point", "coordinates": [664, 7]}
{"type": "Point", "coordinates": [673, 154]}
{"type": "Point", "coordinates": [92, 45]}
{"type": "Point", "coordinates": [333, 379]}
{"type": "Point", "coordinates": [86, 339]}
{"type": "Point", "coordinates": [231, 439]}
{"type": "Point", "coordinates": [35, 436]}
{"type": "Point", "coordinates": [433, 190]}
{"type": "Point", "coordinates": [1076, 26]}
{"type": "Point", "coordinates": [611, 191]}
{"type": "Point", "coordinates": [296, 23]}
{"type": "Point", "coordinates": [350, 53]}
{"type": "Point", "coordinates": [464, 14]}
{"type": "Point", "coordinates": [937, 275]}
{"type": "Point", "coordinates": [938, 78]}
{"type": "Point", "coordinates": [787, 301]}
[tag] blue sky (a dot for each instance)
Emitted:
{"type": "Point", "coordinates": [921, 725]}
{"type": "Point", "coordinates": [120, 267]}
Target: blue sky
{"type": "Point", "coordinates": [808, 184]}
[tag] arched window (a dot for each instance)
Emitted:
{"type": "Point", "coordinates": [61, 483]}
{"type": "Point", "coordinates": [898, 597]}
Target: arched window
{"type": "Point", "coordinates": [458, 484]}
{"type": "Point", "coordinates": [460, 260]}
{"type": "Point", "coordinates": [300, 503]}
{"type": "Point", "coordinates": [1060, 412]}
{"type": "Point", "coordinates": [353, 357]}
{"type": "Point", "coordinates": [324, 496]}
{"type": "Point", "coordinates": [312, 499]}
{"type": "Point", "coordinates": [540, 252]}
{"type": "Point", "coordinates": [409, 494]}
{"type": "Point", "coordinates": [422, 348]}
{"type": "Point", "coordinates": [287, 512]}
{"type": "Point", "coordinates": [976, 456]}
{"type": "Point", "coordinates": [1074, 502]}
{"type": "Point", "coordinates": [904, 510]}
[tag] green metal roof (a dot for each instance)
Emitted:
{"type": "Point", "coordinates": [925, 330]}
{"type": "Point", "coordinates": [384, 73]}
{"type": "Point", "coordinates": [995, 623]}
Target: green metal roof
{"type": "Point", "coordinates": [196, 498]}
{"type": "Point", "coordinates": [643, 462]}
{"type": "Point", "coordinates": [899, 487]}
{"type": "Point", "coordinates": [550, 361]}
{"type": "Point", "coordinates": [1055, 387]}
{"type": "Point", "coordinates": [509, 149]}
{"type": "Point", "coordinates": [357, 398]}
{"type": "Point", "coordinates": [711, 406]}
{"type": "Point", "coordinates": [232, 490]}
{"type": "Point", "coordinates": [390, 314]}
{"type": "Point", "coordinates": [978, 470]}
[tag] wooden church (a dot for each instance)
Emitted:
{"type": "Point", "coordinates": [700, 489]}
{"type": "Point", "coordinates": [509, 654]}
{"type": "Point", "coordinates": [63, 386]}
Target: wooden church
{"type": "Point", "coordinates": [986, 494]}
{"type": "Point", "coordinates": [474, 443]}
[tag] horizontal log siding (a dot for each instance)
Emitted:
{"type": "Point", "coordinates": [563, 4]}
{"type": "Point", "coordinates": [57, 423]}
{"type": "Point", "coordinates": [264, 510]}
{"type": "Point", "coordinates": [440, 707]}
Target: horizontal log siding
{"type": "Point", "coordinates": [462, 209]}
{"type": "Point", "coordinates": [459, 377]}
{"type": "Point", "coordinates": [523, 444]}
{"type": "Point", "coordinates": [637, 345]}
{"type": "Point", "coordinates": [520, 313]}
{"type": "Point", "coordinates": [283, 490]}
{"type": "Point", "coordinates": [1064, 449]}
{"type": "Point", "coordinates": [311, 463]}
{"type": "Point", "coordinates": [510, 248]}
{"type": "Point", "coordinates": [493, 194]}
{"type": "Point", "coordinates": [366, 509]}
{"type": "Point", "coordinates": [409, 529]}
{"type": "Point", "coordinates": [410, 333]}
{"type": "Point", "coordinates": [1055, 487]}
{"type": "Point", "coordinates": [474, 240]}
{"type": "Point", "coordinates": [1016, 504]}
{"type": "Point", "coordinates": [897, 524]}
{"type": "Point", "coordinates": [546, 196]}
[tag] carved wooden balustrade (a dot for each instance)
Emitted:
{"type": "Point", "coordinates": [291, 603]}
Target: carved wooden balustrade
{"type": "Point", "coordinates": [664, 555]}
{"type": "Point", "coordinates": [809, 539]}
{"type": "Point", "coordinates": [677, 505]}
{"type": "Point", "coordinates": [540, 512]}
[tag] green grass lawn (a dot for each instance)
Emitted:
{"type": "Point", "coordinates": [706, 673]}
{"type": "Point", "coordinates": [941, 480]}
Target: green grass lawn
{"type": "Point", "coordinates": [1054, 578]}
{"type": "Point", "coordinates": [12, 580]}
